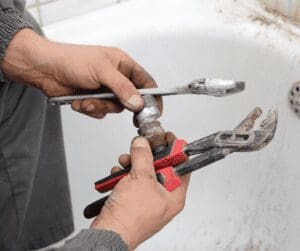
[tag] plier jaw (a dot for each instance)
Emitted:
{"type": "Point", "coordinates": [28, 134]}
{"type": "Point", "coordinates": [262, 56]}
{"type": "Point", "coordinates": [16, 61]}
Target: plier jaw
{"type": "Point", "coordinates": [242, 138]}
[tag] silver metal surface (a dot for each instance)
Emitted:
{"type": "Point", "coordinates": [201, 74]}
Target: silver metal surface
{"type": "Point", "coordinates": [149, 113]}
{"type": "Point", "coordinates": [211, 87]}
{"type": "Point", "coordinates": [294, 98]}
{"type": "Point", "coordinates": [149, 126]}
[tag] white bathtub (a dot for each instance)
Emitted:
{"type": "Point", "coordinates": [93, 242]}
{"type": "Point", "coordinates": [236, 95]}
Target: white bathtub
{"type": "Point", "coordinates": [248, 201]}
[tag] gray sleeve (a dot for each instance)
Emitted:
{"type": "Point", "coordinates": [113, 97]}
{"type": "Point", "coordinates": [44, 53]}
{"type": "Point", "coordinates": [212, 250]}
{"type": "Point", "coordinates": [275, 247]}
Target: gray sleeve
{"type": "Point", "coordinates": [94, 240]}
{"type": "Point", "coordinates": [11, 21]}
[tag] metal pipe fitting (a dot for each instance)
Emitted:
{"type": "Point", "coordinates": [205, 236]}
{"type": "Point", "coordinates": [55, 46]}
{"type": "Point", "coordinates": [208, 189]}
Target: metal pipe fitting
{"type": "Point", "coordinates": [148, 124]}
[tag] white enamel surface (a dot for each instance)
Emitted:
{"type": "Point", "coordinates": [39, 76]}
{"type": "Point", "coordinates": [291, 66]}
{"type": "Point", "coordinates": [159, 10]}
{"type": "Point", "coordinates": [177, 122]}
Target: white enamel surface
{"type": "Point", "coordinates": [246, 202]}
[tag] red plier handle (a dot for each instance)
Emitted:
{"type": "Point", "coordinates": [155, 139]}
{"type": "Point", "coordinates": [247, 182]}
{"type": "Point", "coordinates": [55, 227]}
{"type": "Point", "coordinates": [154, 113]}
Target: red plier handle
{"type": "Point", "coordinates": [165, 176]}
{"type": "Point", "coordinates": [164, 161]}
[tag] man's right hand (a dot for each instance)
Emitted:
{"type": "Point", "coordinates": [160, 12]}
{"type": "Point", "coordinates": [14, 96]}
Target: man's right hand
{"type": "Point", "coordinates": [139, 206]}
{"type": "Point", "coordinates": [65, 69]}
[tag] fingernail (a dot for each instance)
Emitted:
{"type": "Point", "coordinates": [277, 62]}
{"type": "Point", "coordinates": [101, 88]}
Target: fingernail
{"type": "Point", "coordinates": [139, 142]}
{"type": "Point", "coordinates": [90, 108]}
{"type": "Point", "coordinates": [135, 101]}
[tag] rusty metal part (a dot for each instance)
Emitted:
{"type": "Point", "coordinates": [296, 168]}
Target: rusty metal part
{"type": "Point", "coordinates": [242, 140]}
{"type": "Point", "coordinates": [248, 123]}
{"type": "Point", "coordinates": [148, 124]}
{"type": "Point", "coordinates": [266, 131]}
{"type": "Point", "coordinates": [263, 135]}
{"type": "Point", "coordinates": [155, 134]}
{"type": "Point", "coordinates": [218, 145]}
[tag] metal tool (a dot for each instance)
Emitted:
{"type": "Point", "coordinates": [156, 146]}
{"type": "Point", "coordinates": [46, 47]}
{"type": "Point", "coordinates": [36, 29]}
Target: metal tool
{"type": "Point", "coordinates": [174, 161]}
{"type": "Point", "coordinates": [211, 87]}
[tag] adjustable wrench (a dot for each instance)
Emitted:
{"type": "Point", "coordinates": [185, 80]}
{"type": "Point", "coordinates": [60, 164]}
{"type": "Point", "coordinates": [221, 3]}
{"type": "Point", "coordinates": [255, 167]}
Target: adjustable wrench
{"type": "Point", "coordinates": [211, 87]}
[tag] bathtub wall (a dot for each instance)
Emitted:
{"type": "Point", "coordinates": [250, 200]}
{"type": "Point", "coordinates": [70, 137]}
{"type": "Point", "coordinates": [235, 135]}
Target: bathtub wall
{"type": "Point", "coordinates": [289, 8]}
{"type": "Point", "coordinates": [50, 11]}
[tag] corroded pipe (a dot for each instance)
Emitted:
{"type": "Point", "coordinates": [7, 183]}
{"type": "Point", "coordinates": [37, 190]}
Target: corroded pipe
{"type": "Point", "coordinates": [148, 124]}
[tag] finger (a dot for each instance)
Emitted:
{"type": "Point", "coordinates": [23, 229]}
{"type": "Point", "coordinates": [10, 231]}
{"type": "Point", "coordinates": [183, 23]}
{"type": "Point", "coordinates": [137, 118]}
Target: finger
{"type": "Point", "coordinates": [95, 106]}
{"type": "Point", "coordinates": [170, 137]}
{"type": "Point", "coordinates": [76, 105]}
{"type": "Point", "coordinates": [141, 158]}
{"type": "Point", "coordinates": [125, 160]}
{"type": "Point", "coordinates": [142, 79]}
{"type": "Point", "coordinates": [124, 90]}
{"type": "Point", "coordinates": [138, 76]}
{"type": "Point", "coordinates": [115, 169]}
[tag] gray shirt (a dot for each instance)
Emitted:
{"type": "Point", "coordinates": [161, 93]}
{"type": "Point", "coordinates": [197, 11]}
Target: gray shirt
{"type": "Point", "coordinates": [35, 207]}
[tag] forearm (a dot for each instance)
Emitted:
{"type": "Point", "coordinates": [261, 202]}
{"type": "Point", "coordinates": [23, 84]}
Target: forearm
{"type": "Point", "coordinates": [95, 240]}
{"type": "Point", "coordinates": [26, 56]}
{"type": "Point", "coordinates": [11, 21]}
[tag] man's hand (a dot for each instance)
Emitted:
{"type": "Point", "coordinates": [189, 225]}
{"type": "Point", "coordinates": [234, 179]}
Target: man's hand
{"type": "Point", "coordinates": [139, 206]}
{"type": "Point", "coordinates": [66, 69]}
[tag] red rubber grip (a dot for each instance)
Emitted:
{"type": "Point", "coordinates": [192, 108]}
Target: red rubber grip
{"type": "Point", "coordinates": [168, 178]}
{"type": "Point", "coordinates": [175, 157]}
{"type": "Point", "coordinates": [172, 156]}
{"type": "Point", "coordinates": [109, 183]}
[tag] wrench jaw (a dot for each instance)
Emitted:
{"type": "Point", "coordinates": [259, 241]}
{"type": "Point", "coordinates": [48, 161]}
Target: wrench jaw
{"type": "Point", "coordinates": [216, 87]}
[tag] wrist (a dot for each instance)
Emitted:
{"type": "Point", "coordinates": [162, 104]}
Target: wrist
{"type": "Point", "coordinates": [109, 224]}
{"type": "Point", "coordinates": [26, 58]}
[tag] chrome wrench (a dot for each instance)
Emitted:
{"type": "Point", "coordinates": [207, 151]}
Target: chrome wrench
{"type": "Point", "coordinates": [211, 87]}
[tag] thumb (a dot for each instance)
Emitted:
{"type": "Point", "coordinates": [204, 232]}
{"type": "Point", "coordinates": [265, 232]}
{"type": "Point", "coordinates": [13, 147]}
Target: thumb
{"type": "Point", "coordinates": [141, 157]}
{"type": "Point", "coordinates": [124, 90]}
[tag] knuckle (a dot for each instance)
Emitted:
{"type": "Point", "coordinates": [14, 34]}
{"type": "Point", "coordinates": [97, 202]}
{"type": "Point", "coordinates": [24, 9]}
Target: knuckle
{"type": "Point", "coordinates": [116, 50]}
{"type": "Point", "coordinates": [127, 88]}
{"type": "Point", "coordinates": [147, 176]}
{"type": "Point", "coordinates": [133, 175]}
